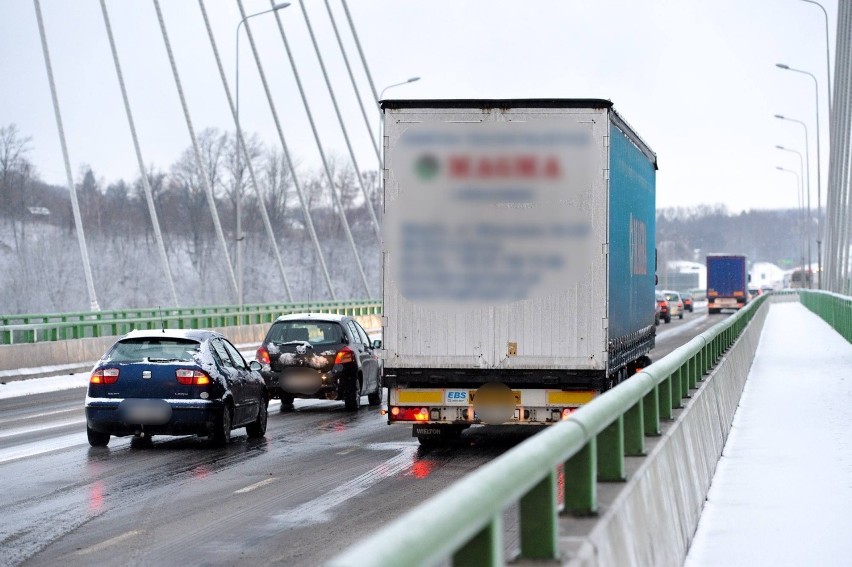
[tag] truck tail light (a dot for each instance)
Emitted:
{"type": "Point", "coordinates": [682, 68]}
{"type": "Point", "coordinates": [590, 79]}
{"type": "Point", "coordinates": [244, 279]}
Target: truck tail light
{"type": "Point", "coordinates": [262, 355]}
{"type": "Point", "coordinates": [104, 376]}
{"type": "Point", "coordinates": [190, 377]}
{"type": "Point", "coordinates": [344, 355]}
{"type": "Point", "coordinates": [409, 414]}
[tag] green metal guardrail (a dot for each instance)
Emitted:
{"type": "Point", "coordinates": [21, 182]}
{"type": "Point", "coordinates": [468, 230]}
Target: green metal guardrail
{"type": "Point", "coordinates": [833, 308]}
{"type": "Point", "coordinates": [30, 328]}
{"type": "Point", "coordinates": [464, 521]}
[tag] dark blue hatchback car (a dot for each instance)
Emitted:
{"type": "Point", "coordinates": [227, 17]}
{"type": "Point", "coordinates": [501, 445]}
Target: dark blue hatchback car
{"type": "Point", "coordinates": [174, 382]}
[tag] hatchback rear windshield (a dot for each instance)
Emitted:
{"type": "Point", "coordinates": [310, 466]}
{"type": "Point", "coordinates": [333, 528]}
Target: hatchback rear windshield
{"type": "Point", "coordinates": [314, 332]}
{"type": "Point", "coordinates": [671, 296]}
{"type": "Point", "coordinates": [150, 349]}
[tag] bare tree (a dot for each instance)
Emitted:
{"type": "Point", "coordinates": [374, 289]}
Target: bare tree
{"type": "Point", "coordinates": [277, 181]}
{"type": "Point", "coordinates": [16, 172]}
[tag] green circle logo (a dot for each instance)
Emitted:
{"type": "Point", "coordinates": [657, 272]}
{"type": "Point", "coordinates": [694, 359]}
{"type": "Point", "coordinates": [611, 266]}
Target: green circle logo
{"type": "Point", "coordinates": [427, 167]}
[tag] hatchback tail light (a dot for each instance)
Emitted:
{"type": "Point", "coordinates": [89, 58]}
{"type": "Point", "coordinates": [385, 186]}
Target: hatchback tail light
{"type": "Point", "coordinates": [190, 377]}
{"type": "Point", "coordinates": [262, 355]}
{"type": "Point", "coordinates": [344, 355]}
{"type": "Point", "coordinates": [104, 376]}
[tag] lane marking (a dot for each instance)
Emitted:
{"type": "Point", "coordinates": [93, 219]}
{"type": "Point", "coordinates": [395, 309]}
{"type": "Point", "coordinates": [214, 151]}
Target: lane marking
{"type": "Point", "coordinates": [76, 408]}
{"type": "Point", "coordinates": [24, 430]}
{"type": "Point", "coordinates": [42, 447]}
{"type": "Point", "coordinates": [255, 486]}
{"type": "Point", "coordinates": [316, 511]}
{"type": "Point", "coordinates": [346, 452]}
{"type": "Point", "coordinates": [108, 543]}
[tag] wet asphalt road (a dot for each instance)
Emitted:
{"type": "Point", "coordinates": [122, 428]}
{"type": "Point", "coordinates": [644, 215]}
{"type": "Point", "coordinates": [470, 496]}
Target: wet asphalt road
{"type": "Point", "coordinates": [320, 480]}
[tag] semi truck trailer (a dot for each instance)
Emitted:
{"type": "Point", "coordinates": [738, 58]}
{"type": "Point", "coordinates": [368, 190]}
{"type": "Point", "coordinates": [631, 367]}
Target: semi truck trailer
{"type": "Point", "coordinates": [727, 282]}
{"type": "Point", "coordinates": [518, 259]}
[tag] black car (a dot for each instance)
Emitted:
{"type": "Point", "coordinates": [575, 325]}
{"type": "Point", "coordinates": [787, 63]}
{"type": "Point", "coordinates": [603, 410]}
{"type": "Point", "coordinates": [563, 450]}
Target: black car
{"type": "Point", "coordinates": [320, 356]}
{"type": "Point", "coordinates": [171, 382]}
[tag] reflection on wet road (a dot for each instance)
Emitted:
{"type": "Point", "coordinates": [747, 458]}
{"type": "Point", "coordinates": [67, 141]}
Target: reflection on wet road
{"type": "Point", "coordinates": [320, 480]}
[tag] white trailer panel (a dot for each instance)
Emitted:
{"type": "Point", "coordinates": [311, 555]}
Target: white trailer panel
{"type": "Point", "coordinates": [495, 242]}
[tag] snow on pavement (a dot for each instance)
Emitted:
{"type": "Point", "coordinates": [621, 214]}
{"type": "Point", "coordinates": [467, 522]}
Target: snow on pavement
{"type": "Point", "coordinates": [43, 385]}
{"type": "Point", "coordinates": [782, 492]}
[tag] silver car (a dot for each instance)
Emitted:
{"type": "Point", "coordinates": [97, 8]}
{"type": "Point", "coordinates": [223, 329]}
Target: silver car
{"type": "Point", "coordinates": [675, 303]}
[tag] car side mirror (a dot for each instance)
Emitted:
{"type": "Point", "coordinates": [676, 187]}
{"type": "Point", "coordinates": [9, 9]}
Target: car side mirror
{"type": "Point", "coordinates": [255, 365]}
{"type": "Point", "coordinates": [377, 343]}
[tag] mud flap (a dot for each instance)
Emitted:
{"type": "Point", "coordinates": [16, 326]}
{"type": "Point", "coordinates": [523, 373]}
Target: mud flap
{"type": "Point", "coordinates": [437, 431]}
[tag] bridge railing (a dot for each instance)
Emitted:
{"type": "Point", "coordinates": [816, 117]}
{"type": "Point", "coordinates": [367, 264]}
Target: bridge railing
{"type": "Point", "coordinates": [464, 521]}
{"type": "Point", "coordinates": [833, 308]}
{"type": "Point", "coordinates": [39, 327]}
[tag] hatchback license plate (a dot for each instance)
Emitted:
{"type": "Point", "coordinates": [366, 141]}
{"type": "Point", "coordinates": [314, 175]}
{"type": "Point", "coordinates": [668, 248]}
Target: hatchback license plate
{"type": "Point", "coordinates": [145, 412]}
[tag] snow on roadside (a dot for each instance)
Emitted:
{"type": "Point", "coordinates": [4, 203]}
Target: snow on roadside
{"type": "Point", "coordinates": [43, 385]}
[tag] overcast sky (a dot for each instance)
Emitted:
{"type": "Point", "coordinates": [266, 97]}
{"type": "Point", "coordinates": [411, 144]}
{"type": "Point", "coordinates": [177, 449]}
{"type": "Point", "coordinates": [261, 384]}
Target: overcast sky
{"type": "Point", "coordinates": [696, 79]}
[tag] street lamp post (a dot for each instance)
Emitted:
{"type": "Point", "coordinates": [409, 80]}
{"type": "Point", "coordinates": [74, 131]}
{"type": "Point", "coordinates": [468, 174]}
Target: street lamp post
{"type": "Point", "coordinates": [799, 189]}
{"type": "Point", "coordinates": [808, 219]}
{"type": "Point", "coordinates": [238, 174]}
{"type": "Point", "coordinates": [808, 175]}
{"type": "Point", "coordinates": [819, 168]}
{"type": "Point", "coordinates": [380, 130]}
{"type": "Point", "coordinates": [381, 97]}
{"type": "Point", "coordinates": [827, 52]}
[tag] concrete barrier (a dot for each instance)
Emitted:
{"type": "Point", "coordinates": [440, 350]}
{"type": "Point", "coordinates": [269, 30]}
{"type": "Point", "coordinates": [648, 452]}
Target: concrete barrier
{"type": "Point", "coordinates": [653, 519]}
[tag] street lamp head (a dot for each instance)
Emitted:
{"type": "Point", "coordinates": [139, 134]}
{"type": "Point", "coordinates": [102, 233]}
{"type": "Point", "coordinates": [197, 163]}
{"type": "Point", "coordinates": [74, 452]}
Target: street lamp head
{"type": "Point", "coordinates": [280, 6]}
{"type": "Point", "coordinates": [782, 66]}
{"type": "Point", "coordinates": [780, 147]}
{"type": "Point", "coordinates": [412, 79]}
{"type": "Point", "coordinates": [779, 116]}
{"type": "Point", "coordinates": [778, 167]}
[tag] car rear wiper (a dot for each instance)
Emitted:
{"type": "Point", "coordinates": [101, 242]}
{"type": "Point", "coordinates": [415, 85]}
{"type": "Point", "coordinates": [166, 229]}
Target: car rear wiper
{"type": "Point", "coordinates": [149, 359]}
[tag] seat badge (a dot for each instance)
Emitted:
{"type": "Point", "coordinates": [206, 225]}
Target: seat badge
{"type": "Point", "coordinates": [146, 374]}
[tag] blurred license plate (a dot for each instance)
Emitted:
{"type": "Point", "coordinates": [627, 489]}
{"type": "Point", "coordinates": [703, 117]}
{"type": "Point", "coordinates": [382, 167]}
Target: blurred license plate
{"type": "Point", "coordinates": [145, 412]}
{"type": "Point", "coordinates": [308, 382]}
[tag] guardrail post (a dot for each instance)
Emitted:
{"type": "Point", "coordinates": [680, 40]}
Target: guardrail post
{"type": "Point", "coordinates": [611, 451]}
{"type": "Point", "coordinates": [692, 377]}
{"type": "Point", "coordinates": [666, 399]}
{"type": "Point", "coordinates": [486, 548]}
{"type": "Point", "coordinates": [685, 379]}
{"type": "Point", "coordinates": [538, 514]}
{"type": "Point", "coordinates": [581, 476]}
{"type": "Point", "coordinates": [634, 427]}
{"type": "Point", "coordinates": [652, 403]}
